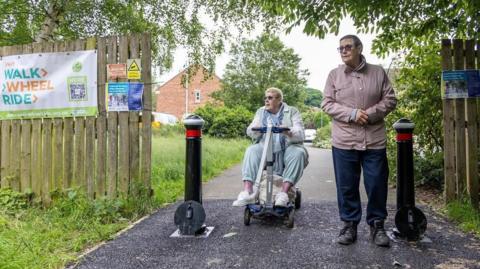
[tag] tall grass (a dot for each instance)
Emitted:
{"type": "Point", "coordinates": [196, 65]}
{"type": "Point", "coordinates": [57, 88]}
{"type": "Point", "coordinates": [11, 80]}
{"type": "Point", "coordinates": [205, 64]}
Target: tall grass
{"type": "Point", "coordinates": [168, 162]}
{"type": "Point", "coordinates": [466, 216]}
{"type": "Point", "coordinates": [35, 237]}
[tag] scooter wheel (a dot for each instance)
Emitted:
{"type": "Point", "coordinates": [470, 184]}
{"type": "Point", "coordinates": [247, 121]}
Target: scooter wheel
{"type": "Point", "coordinates": [290, 219]}
{"type": "Point", "coordinates": [247, 215]}
{"type": "Point", "coordinates": [298, 199]}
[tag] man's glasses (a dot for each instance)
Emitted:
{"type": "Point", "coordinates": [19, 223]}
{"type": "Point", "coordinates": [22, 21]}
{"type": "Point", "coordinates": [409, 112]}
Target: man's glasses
{"type": "Point", "coordinates": [269, 97]}
{"type": "Point", "coordinates": [345, 48]}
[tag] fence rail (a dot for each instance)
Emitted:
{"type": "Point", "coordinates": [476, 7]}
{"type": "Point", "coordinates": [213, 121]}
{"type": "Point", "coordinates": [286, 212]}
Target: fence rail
{"type": "Point", "coordinates": [461, 121]}
{"type": "Point", "coordinates": [107, 155]}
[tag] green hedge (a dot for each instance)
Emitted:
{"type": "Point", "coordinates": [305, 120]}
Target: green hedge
{"type": "Point", "coordinates": [224, 122]}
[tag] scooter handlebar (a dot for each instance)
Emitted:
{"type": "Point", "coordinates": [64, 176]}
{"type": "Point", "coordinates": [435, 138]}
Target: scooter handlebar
{"type": "Point", "coordinates": [276, 130]}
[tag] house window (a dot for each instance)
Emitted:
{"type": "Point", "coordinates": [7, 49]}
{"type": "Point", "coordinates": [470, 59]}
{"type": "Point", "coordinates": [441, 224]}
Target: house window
{"type": "Point", "coordinates": [197, 96]}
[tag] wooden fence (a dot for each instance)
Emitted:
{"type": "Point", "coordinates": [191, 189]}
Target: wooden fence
{"type": "Point", "coordinates": [461, 123]}
{"type": "Point", "coordinates": [108, 155]}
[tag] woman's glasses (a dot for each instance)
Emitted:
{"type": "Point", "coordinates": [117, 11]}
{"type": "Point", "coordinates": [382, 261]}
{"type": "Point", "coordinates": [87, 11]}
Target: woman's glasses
{"type": "Point", "coordinates": [345, 48]}
{"type": "Point", "coordinates": [269, 97]}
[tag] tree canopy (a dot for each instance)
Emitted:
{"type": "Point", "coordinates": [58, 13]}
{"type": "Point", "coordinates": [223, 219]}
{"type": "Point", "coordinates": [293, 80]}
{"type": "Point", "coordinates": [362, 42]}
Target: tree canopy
{"type": "Point", "coordinates": [257, 65]}
{"type": "Point", "coordinates": [398, 24]}
{"type": "Point", "coordinates": [172, 23]}
{"type": "Point", "coordinates": [313, 97]}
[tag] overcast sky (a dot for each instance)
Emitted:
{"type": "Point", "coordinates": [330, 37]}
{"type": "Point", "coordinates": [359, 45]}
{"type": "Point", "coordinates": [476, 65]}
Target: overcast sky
{"type": "Point", "coordinates": [318, 56]}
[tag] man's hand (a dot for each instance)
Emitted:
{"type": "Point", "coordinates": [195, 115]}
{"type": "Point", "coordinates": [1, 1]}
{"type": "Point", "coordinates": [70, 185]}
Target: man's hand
{"type": "Point", "coordinates": [362, 117]}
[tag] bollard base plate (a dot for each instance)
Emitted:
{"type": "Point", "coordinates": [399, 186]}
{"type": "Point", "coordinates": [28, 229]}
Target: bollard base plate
{"type": "Point", "coordinates": [206, 232]}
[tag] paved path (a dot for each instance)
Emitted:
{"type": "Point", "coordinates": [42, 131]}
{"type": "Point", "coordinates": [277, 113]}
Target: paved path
{"type": "Point", "coordinates": [266, 244]}
{"type": "Point", "coordinates": [317, 183]}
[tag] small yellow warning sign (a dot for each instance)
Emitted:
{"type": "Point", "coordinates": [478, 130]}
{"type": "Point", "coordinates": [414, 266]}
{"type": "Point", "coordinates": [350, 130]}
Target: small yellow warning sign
{"type": "Point", "coordinates": [134, 69]}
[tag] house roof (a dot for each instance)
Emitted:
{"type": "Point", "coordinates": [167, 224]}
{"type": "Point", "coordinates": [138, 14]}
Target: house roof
{"type": "Point", "coordinates": [183, 71]}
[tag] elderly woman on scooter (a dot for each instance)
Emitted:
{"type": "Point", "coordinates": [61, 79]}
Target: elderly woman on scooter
{"type": "Point", "coordinates": [289, 154]}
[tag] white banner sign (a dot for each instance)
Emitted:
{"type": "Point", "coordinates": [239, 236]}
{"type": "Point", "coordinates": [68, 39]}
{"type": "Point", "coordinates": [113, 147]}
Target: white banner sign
{"type": "Point", "coordinates": [46, 85]}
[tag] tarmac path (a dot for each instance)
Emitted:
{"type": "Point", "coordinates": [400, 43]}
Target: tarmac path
{"type": "Point", "coordinates": [267, 244]}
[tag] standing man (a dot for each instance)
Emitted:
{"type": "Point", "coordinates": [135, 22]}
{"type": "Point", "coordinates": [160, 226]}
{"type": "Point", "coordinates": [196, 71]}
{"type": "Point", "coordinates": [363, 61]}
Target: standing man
{"type": "Point", "coordinates": [358, 96]}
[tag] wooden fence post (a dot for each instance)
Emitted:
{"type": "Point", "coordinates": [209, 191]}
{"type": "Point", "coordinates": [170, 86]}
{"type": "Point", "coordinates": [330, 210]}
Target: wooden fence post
{"type": "Point", "coordinates": [472, 131]}
{"type": "Point", "coordinates": [448, 130]}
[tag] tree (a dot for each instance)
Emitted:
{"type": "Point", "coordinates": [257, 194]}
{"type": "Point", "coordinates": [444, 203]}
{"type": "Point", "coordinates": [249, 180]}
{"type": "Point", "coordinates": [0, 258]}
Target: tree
{"type": "Point", "coordinates": [314, 97]}
{"type": "Point", "coordinates": [399, 24]}
{"type": "Point", "coordinates": [172, 23]}
{"type": "Point", "coordinates": [257, 65]}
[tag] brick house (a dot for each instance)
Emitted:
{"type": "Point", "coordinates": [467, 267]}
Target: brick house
{"type": "Point", "coordinates": [171, 97]}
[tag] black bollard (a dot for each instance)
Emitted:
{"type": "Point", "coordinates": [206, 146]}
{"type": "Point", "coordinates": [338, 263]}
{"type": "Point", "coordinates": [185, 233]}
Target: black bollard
{"type": "Point", "coordinates": [193, 165]}
{"type": "Point", "coordinates": [410, 221]}
{"type": "Point", "coordinates": [190, 216]}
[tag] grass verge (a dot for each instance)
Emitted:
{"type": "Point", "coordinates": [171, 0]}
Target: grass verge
{"type": "Point", "coordinates": [466, 216]}
{"type": "Point", "coordinates": [168, 168]}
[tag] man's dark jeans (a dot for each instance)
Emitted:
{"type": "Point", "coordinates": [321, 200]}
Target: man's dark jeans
{"type": "Point", "coordinates": [348, 165]}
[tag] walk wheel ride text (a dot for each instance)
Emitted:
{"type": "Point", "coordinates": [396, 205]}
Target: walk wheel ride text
{"type": "Point", "coordinates": [264, 207]}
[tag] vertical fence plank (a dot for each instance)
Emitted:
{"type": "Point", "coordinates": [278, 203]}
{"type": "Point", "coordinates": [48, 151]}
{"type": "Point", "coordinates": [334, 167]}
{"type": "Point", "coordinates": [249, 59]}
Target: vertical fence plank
{"type": "Point", "coordinates": [101, 128]}
{"type": "Point", "coordinates": [37, 171]}
{"type": "Point", "coordinates": [112, 139]}
{"type": "Point", "coordinates": [79, 137]}
{"type": "Point", "coordinates": [67, 153]}
{"type": "Point", "coordinates": [15, 155]}
{"type": "Point", "coordinates": [90, 141]}
{"type": "Point", "coordinates": [6, 161]}
{"type": "Point", "coordinates": [47, 160]}
{"type": "Point", "coordinates": [460, 145]}
{"type": "Point", "coordinates": [25, 156]}
{"type": "Point", "coordinates": [37, 147]}
{"type": "Point", "coordinates": [134, 44]}
{"type": "Point", "coordinates": [90, 155]}
{"type": "Point", "coordinates": [15, 141]}
{"type": "Point", "coordinates": [26, 145]}
{"type": "Point", "coordinates": [123, 148]}
{"type": "Point", "coordinates": [68, 141]}
{"type": "Point", "coordinates": [57, 154]}
{"type": "Point", "coordinates": [448, 130]}
{"type": "Point", "coordinates": [472, 131]}
{"type": "Point", "coordinates": [47, 149]}
{"type": "Point", "coordinates": [5, 155]}
{"type": "Point", "coordinates": [146, 154]}
{"type": "Point", "coordinates": [79, 144]}
{"type": "Point", "coordinates": [57, 151]}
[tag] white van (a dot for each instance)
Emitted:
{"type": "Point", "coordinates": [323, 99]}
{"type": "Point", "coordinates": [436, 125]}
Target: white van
{"type": "Point", "coordinates": [164, 118]}
{"type": "Point", "coordinates": [310, 134]}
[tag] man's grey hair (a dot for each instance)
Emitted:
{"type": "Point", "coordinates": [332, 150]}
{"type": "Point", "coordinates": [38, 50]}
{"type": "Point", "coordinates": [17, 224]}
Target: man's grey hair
{"type": "Point", "coordinates": [356, 41]}
{"type": "Point", "coordinates": [277, 91]}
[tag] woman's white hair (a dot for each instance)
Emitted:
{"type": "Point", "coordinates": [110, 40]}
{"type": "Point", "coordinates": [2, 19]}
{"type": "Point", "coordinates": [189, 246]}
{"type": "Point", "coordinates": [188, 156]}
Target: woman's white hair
{"type": "Point", "coordinates": [276, 91]}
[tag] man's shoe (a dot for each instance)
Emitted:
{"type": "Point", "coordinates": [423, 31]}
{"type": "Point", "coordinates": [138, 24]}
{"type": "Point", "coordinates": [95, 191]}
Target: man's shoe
{"type": "Point", "coordinates": [348, 234]}
{"type": "Point", "coordinates": [378, 234]}
{"type": "Point", "coordinates": [244, 198]}
{"type": "Point", "coordinates": [281, 199]}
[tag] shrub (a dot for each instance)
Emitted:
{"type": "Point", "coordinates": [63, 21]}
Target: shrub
{"type": "Point", "coordinates": [315, 119]}
{"type": "Point", "coordinates": [225, 122]}
{"type": "Point", "coordinates": [323, 137]}
{"type": "Point", "coordinates": [11, 201]}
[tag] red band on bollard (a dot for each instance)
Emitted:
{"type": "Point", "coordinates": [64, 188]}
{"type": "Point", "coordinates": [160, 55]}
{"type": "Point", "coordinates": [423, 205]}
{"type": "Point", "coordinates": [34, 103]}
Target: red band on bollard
{"type": "Point", "coordinates": [193, 133]}
{"type": "Point", "coordinates": [404, 137]}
